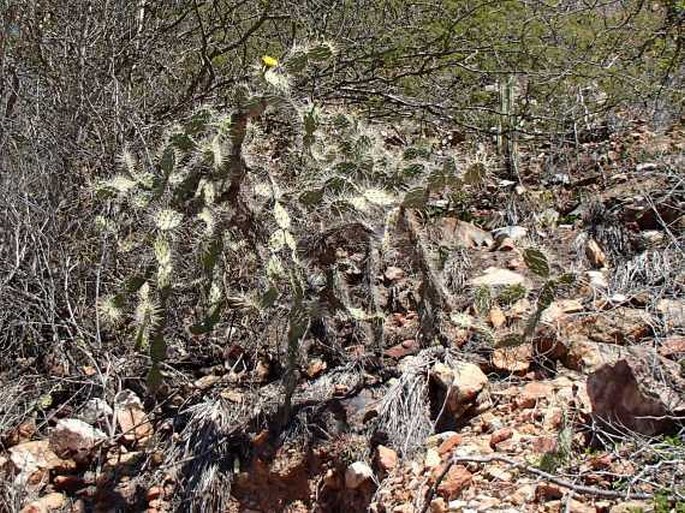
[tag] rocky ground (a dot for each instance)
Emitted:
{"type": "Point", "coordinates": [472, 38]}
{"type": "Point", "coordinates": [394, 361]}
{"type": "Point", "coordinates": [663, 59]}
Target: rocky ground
{"type": "Point", "coordinates": [582, 415]}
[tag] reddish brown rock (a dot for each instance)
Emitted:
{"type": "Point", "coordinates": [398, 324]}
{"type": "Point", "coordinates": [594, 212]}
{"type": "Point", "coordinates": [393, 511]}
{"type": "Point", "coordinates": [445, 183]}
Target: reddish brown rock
{"type": "Point", "coordinates": [496, 317]}
{"type": "Point", "coordinates": [132, 419]}
{"type": "Point", "coordinates": [449, 444]}
{"type": "Point", "coordinates": [456, 479]}
{"type": "Point", "coordinates": [602, 462]}
{"type": "Point", "coordinates": [386, 458]}
{"type": "Point", "coordinates": [465, 384]}
{"type": "Point", "coordinates": [621, 325]}
{"type": "Point", "coordinates": [452, 232]}
{"type": "Point", "coordinates": [627, 392]}
{"type": "Point", "coordinates": [586, 356]}
{"type": "Point", "coordinates": [672, 346]}
{"type": "Point", "coordinates": [672, 312]}
{"type": "Point", "coordinates": [316, 367]}
{"type": "Point", "coordinates": [500, 436]}
{"type": "Point", "coordinates": [545, 444]}
{"type": "Point", "coordinates": [22, 433]}
{"type": "Point", "coordinates": [595, 254]}
{"type": "Point", "coordinates": [67, 483]}
{"type": "Point", "coordinates": [73, 438]}
{"type": "Point", "coordinates": [154, 493]}
{"type": "Point", "coordinates": [47, 503]}
{"type": "Point", "coordinates": [547, 492]}
{"type": "Point", "coordinates": [439, 505]}
{"type": "Point", "coordinates": [406, 348]}
{"type": "Point", "coordinates": [357, 474]}
{"type": "Point", "coordinates": [33, 461]}
{"type": "Point", "coordinates": [513, 359]}
{"type": "Point", "coordinates": [332, 480]}
{"type": "Point", "coordinates": [506, 244]}
{"type": "Point", "coordinates": [532, 393]}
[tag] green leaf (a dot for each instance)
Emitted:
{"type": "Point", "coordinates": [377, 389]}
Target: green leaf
{"type": "Point", "coordinates": [154, 378]}
{"type": "Point", "coordinates": [482, 300]}
{"type": "Point", "coordinates": [511, 340]}
{"type": "Point", "coordinates": [567, 279]}
{"type": "Point", "coordinates": [311, 123]}
{"type": "Point", "coordinates": [412, 170]}
{"type": "Point", "coordinates": [208, 323]}
{"type": "Point", "coordinates": [134, 283]}
{"type": "Point", "coordinates": [277, 240]}
{"type": "Point", "coordinates": [168, 160]}
{"type": "Point", "coordinates": [415, 198]}
{"type": "Point", "coordinates": [210, 255]}
{"type": "Point", "coordinates": [296, 62]}
{"type": "Point", "coordinates": [312, 197]}
{"type": "Point", "coordinates": [140, 340]}
{"type": "Point", "coordinates": [183, 142]}
{"type": "Point", "coordinates": [162, 251]}
{"type": "Point", "coordinates": [475, 174]}
{"type": "Point", "coordinates": [268, 298]}
{"type": "Point", "coordinates": [536, 261]}
{"type": "Point", "coordinates": [321, 52]}
{"type": "Point", "coordinates": [168, 219]}
{"type": "Point", "coordinates": [158, 347]}
{"type": "Point", "coordinates": [274, 268]}
{"type": "Point", "coordinates": [281, 216]}
{"type": "Point", "coordinates": [546, 296]}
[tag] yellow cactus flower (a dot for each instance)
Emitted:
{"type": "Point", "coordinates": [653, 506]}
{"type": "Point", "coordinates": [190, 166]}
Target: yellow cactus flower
{"type": "Point", "coordinates": [269, 62]}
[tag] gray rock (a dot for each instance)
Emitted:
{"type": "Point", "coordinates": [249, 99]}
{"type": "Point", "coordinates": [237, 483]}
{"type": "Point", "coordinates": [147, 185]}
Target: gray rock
{"type": "Point", "coordinates": [96, 410]}
{"type": "Point", "coordinates": [494, 277]}
{"type": "Point", "coordinates": [357, 474]}
{"type": "Point", "coordinates": [74, 438]}
{"type": "Point", "coordinates": [513, 232]}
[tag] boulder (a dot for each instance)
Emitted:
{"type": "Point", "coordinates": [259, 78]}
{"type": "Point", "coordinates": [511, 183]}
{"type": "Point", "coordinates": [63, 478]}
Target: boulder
{"type": "Point", "coordinates": [96, 411]}
{"type": "Point", "coordinates": [457, 478]}
{"type": "Point", "coordinates": [73, 438]}
{"type": "Point", "coordinates": [673, 347]}
{"type": "Point", "coordinates": [47, 503]}
{"type": "Point", "coordinates": [639, 390]}
{"type": "Point", "coordinates": [466, 387]}
{"type": "Point", "coordinates": [357, 474]}
{"type": "Point", "coordinates": [515, 359]}
{"type": "Point", "coordinates": [620, 325]}
{"type": "Point", "coordinates": [33, 461]}
{"type": "Point", "coordinates": [595, 254]}
{"type": "Point", "coordinates": [132, 419]}
{"type": "Point", "coordinates": [452, 232]}
{"type": "Point", "coordinates": [498, 277]}
{"type": "Point", "coordinates": [672, 312]}
{"type": "Point", "coordinates": [386, 458]}
{"type": "Point", "coordinates": [584, 355]}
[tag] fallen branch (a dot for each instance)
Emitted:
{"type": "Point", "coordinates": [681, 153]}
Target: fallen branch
{"type": "Point", "coordinates": [580, 489]}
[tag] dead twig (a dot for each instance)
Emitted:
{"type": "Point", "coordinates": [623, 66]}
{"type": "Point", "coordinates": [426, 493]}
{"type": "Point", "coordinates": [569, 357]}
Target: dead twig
{"type": "Point", "coordinates": [576, 488]}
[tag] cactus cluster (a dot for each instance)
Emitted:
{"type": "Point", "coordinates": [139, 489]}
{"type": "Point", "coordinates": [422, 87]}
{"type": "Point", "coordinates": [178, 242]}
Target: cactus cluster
{"type": "Point", "coordinates": [222, 218]}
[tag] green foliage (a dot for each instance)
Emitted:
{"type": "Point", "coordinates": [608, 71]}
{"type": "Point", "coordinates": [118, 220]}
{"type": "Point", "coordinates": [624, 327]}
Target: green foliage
{"type": "Point", "coordinates": [180, 203]}
{"type": "Point", "coordinates": [482, 300]}
{"type": "Point", "coordinates": [538, 264]}
{"type": "Point", "coordinates": [511, 293]}
{"type": "Point", "coordinates": [663, 503]}
{"type": "Point", "coordinates": [196, 209]}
